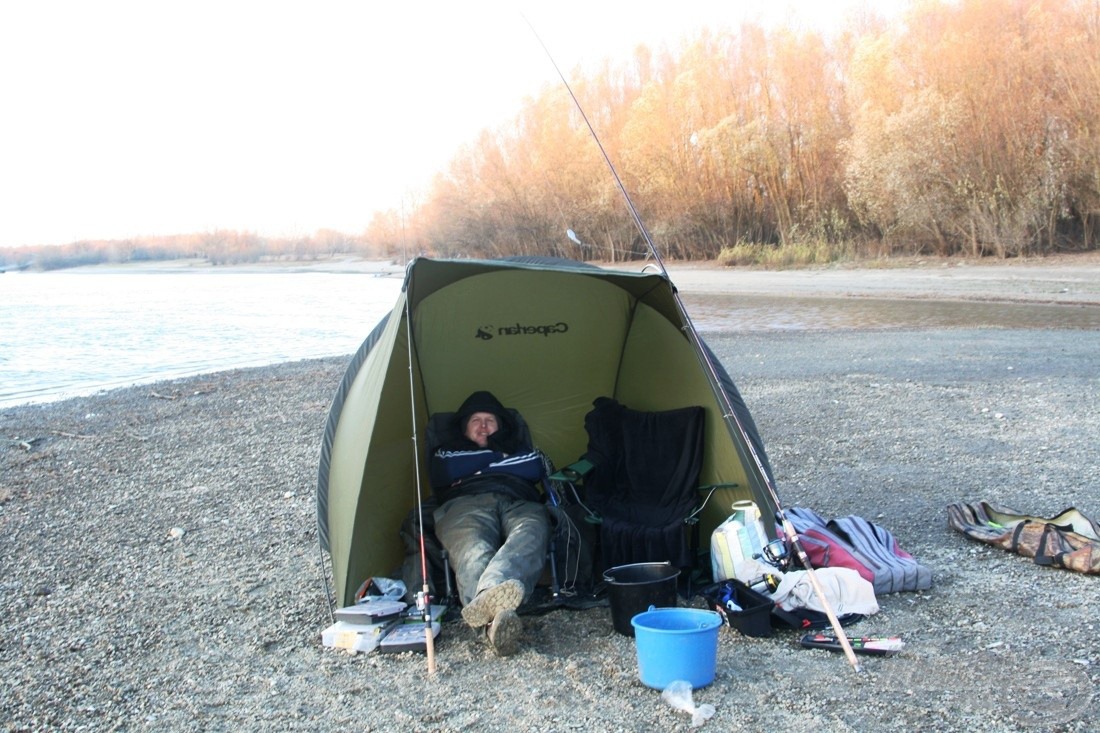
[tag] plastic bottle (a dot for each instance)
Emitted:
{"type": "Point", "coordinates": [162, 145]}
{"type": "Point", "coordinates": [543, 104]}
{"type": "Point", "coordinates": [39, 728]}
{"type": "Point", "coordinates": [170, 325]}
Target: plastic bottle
{"type": "Point", "coordinates": [725, 548]}
{"type": "Point", "coordinates": [738, 538]}
{"type": "Point", "coordinates": [751, 534]}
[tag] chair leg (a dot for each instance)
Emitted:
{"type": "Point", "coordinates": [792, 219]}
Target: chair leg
{"type": "Point", "coordinates": [694, 553]}
{"type": "Point", "coordinates": [555, 587]}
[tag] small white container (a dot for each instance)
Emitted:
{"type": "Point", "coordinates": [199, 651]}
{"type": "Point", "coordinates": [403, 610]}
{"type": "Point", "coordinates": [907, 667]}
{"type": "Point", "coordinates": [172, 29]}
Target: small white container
{"type": "Point", "coordinates": [356, 637]}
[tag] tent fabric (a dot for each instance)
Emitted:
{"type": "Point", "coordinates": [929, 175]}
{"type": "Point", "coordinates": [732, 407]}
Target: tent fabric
{"type": "Point", "coordinates": [330, 429]}
{"type": "Point", "coordinates": [547, 337]}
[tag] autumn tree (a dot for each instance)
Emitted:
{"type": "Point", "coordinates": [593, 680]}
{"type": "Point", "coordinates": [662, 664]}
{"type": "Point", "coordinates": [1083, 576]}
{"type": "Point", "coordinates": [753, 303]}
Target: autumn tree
{"type": "Point", "coordinates": [966, 125]}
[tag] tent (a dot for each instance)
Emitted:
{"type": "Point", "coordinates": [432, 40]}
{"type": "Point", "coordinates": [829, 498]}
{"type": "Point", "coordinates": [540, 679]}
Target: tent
{"type": "Point", "coordinates": [547, 336]}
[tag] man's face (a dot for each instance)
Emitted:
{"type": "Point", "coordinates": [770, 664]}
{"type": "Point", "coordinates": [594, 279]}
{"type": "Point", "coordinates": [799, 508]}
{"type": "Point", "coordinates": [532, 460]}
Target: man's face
{"type": "Point", "coordinates": [480, 426]}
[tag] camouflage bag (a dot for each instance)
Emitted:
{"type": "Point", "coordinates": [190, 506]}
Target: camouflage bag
{"type": "Point", "coordinates": [1069, 540]}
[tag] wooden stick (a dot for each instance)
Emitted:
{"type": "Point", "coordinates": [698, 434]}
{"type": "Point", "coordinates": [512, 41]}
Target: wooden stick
{"type": "Point", "coordinates": [426, 600]}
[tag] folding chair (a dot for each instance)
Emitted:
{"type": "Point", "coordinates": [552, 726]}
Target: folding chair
{"type": "Point", "coordinates": [441, 430]}
{"type": "Point", "coordinates": [640, 475]}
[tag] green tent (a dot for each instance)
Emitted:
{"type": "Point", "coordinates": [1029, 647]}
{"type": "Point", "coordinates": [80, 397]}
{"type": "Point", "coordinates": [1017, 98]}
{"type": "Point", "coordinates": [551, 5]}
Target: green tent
{"type": "Point", "coordinates": [546, 336]}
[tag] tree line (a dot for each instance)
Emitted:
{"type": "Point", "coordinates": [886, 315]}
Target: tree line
{"type": "Point", "coordinates": [220, 247]}
{"type": "Point", "coordinates": [968, 127]}
{"type": "Point", "coordinates": [965, 127]}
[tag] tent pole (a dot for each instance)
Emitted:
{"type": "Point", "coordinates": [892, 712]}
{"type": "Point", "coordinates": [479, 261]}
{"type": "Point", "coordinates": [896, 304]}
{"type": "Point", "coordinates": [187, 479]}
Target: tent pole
{"type": "Point", "coordinates": [788, 528]}
{"type": "Point", "coordinates": [423, 598]}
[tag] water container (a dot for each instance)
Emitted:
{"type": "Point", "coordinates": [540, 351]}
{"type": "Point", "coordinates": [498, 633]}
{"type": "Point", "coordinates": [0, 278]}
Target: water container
{"type": "Point", "coordinates": [753, 538]}
{"type": "Point", "coordinates": [740, 537]}
{"type": "Point", "coordinates": [725, 549]}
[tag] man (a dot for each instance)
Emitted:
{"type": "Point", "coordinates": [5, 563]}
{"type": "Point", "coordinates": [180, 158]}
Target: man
{"type": "Point", "coordinates": [491, 519]}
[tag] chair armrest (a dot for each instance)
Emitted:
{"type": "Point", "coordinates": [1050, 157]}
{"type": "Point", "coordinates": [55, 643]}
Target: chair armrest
{"type": "Point", "coordinates": [573, 472]}
{"type": "Point", "coordinates": [693, 518]}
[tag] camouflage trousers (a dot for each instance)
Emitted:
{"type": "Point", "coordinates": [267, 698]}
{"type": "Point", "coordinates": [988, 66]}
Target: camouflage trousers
{"type": "Point", "coordinates": [491, 538]}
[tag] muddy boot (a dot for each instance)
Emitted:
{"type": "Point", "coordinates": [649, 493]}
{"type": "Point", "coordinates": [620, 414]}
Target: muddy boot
{"type": "Point", "coordinates": [505, 632]}
{"type": "Point", "coordinates": [487, 604]}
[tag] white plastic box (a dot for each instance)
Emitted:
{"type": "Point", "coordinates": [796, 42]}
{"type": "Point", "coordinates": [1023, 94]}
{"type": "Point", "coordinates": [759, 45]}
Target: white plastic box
{"type": "Point", "coordinates": [370, 612]}
{"type": "Point", "coordinates": [356, 637]}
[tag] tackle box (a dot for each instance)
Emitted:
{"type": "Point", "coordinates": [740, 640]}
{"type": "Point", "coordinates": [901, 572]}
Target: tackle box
{"type": "Point", "coordinates": [370, 612]}
{"type": "Point", "coordinates": [754, 616]}
{"type": "Point", "coordinates": [408, 637]}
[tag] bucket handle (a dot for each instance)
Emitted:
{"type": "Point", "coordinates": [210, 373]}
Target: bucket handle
{"type": "Point", "coordinates": [702, 624]}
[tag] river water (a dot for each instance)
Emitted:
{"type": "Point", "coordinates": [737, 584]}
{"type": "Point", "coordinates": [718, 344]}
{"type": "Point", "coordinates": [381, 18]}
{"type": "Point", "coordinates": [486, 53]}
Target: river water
{"type": "Point", "coordinates": [67, 334]}
{"type": "Point", "coordinates": [73, 333]}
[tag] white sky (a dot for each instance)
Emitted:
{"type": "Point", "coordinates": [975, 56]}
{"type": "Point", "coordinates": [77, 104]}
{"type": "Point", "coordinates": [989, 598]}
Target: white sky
{"type": "Point", "coordinates": [142, 117]}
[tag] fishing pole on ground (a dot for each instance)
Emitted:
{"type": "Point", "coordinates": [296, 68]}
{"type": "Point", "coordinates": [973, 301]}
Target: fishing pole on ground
{"type": "Point", "coordinates": [720, 393]}
{"type": "Point", "coordinates": [424, 597]}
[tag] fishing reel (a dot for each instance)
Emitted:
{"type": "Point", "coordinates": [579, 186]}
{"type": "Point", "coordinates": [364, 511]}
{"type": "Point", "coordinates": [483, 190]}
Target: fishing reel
{"type": "Point", "coordinates": [724, 595]}
{"type": "Point", "coordinates": [776, 554]}
{"type": "Point", "coordinates": [768, 581]}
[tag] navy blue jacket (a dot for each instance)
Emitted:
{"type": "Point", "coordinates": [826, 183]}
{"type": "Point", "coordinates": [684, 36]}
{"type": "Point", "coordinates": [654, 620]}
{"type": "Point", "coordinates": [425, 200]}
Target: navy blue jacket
{"type": "Point", "coordinates": [461, 472]}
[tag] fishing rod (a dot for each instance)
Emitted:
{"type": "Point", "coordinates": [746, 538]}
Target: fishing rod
{"type": "Point", "coordinates": [627, 253]}
{"type": "Point", "coordinates": [700, 348]}
{"type": "Point", "coordinates": [424, 597]}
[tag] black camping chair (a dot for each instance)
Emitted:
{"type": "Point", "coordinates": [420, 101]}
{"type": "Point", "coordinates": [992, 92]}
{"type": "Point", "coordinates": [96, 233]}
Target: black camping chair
{"type": "Point", "coordinates": [640, 476]}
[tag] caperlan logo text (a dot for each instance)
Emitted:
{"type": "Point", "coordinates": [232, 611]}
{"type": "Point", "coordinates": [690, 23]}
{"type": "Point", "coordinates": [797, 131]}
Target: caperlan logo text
{"type": "Point", "coordinates": [518, 329]}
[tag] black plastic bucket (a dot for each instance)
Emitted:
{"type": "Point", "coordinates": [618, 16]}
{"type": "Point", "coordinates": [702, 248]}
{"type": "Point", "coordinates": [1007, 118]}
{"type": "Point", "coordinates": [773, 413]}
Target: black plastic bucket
{"type": "Point", "coordinates": [635, 588]}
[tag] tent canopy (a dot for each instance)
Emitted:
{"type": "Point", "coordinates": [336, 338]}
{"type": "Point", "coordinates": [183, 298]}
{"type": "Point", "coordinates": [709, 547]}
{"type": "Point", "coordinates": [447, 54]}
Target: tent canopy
{"type": "Point", "coordinates": [547, 337]}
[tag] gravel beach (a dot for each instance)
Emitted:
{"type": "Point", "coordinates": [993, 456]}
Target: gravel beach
{"type": "Point", "coordinates": [159, 566]}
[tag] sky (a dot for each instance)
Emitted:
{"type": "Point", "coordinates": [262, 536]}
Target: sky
{"type": "Point", "coordinates": [130, 118]}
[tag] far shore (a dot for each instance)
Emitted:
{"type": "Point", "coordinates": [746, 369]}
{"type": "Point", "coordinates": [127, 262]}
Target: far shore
{"type": "Point", "coordinates": [1065, 278]}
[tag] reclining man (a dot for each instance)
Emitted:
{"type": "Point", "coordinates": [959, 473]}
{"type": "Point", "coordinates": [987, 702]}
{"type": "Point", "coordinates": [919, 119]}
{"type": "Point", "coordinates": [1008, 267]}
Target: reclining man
{"type": "Point", "coordinates": [491, 519]}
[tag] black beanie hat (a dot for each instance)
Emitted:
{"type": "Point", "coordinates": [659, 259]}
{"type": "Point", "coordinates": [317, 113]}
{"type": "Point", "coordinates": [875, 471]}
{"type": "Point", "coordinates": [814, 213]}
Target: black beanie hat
{"type": "Point", "coordinates": [505, 438]}
{"type": "Point", "coordinates": [481, 401]}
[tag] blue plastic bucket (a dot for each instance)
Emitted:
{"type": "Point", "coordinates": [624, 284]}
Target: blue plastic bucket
{"type": "Point", "coordinates": [676, 644]}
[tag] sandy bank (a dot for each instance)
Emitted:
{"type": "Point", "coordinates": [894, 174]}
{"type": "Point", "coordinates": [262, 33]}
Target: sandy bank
{"type": "Point", "coordinates": [1065, 279]}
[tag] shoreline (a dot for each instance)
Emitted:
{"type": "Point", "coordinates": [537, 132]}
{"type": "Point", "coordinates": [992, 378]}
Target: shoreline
{"type": "Point", "coordinates": [1066, 279]}
{"type": "Point", "coordinates": [1070, 279]}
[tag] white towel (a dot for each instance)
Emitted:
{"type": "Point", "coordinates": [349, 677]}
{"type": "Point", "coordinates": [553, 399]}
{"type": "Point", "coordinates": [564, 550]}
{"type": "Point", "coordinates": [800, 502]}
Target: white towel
{"type": "Point", "coordinates": [845, 589]}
